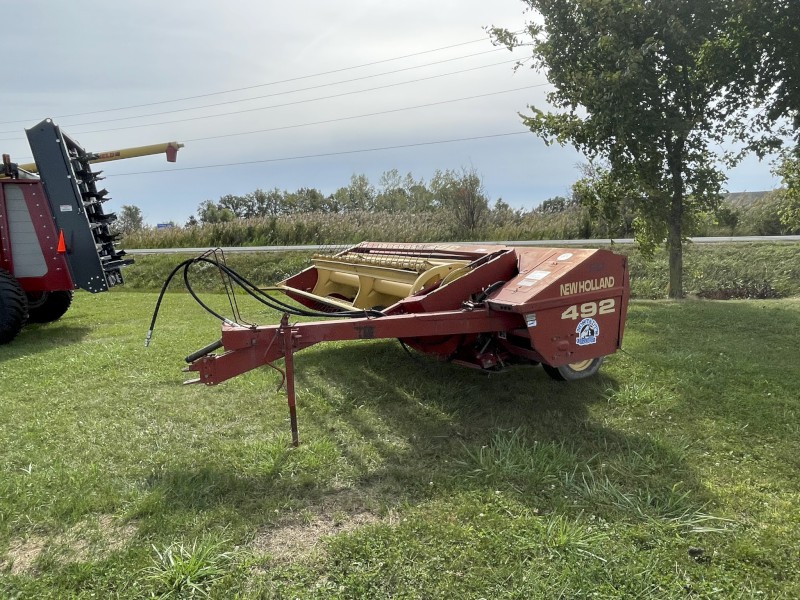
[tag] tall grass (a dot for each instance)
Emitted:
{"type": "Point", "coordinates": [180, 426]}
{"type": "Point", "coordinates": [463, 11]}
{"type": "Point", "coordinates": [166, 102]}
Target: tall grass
{"type": "Point", "coordinates": [181, 570]}
{"type": "Point", "coordinates": [353, 227]}
{"type": "Point", "coordinates": [758, 218]}
{"type": "Point", "coordinates": [716, 271]}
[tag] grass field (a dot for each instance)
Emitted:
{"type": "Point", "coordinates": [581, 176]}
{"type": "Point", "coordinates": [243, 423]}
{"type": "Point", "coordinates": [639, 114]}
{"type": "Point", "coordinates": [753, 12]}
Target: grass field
{"type": "Point", "coordinates": [673, 474]}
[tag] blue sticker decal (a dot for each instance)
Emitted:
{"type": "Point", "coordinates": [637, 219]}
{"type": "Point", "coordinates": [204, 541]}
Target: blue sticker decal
{"type": "Point", "coordinates": [588, 331]}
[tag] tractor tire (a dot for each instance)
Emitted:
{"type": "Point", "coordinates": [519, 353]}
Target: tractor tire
{"type": "Point", "coordinates": [13, 307]}
{"type": "Point", "coordinates": [574, 371]}
{"type": "Point", "coordinates": [45, 307]}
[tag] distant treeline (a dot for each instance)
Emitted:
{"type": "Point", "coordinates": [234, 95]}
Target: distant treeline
{"type": "Point", "coordinates": [452, 206]}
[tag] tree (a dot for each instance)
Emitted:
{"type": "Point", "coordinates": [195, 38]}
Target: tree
{"type": "Point", "coordinates": [761, 52]}
{"type": "Point", "coordinates": [463, 196]}
{"type": "Point", "coordinates": [727, 217]}
{"type": "Point", "coordinates": [268, 204]}
{"type": "Point", "coordinates": [420, 198]}
{"type": "Point", "coordinates": [242, 207]}
{"type": "Point", "coordinates": [502, 214]}
{"type": "Point", "coordinates": [306, 200]}
{"type": "Point", "coordinates": [392, 197]}
{"type": "Point", "coordinates": [789, 170]}
{"type": "Point", "coordinates": [210, 212]}
{"type": "Point", "coordinates": [634, 86]}
{"type": "Point", "coordinates": [361, 193]}
{"type": "Point", "coordinates": [611, 203]}
{"type": "Point", "coordinates": [557, 204]}
{"type": "Point", "coordinates": [130, 219]}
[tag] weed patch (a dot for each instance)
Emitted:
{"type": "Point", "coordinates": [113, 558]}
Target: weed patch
{"type": "Point", "coordinates": [187, 569]}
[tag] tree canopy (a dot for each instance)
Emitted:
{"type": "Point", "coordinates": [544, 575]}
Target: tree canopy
{"type": "Point", "coordinates": [642, 85]}
{"type": "Point", "coordinates": [760, 48]}
{"type": "Point", "coordinates": [789, 170]}
{"type": "Point", "coordinates": [130, 219]}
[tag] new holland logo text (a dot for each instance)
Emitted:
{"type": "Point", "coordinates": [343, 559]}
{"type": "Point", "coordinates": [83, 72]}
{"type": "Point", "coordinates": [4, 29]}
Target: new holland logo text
{"type": "Point", "coordinates": [590, 285]}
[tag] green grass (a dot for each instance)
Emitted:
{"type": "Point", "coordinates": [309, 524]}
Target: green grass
{"type": "Point", "coordinates": [671, 474]}
{"type": "Point", "coordinates": [716, 271]}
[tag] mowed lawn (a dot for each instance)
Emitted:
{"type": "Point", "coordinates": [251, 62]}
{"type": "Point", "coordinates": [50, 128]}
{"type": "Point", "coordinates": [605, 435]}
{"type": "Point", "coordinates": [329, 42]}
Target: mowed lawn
{"type": "Point", "coordinates": [672, 474]}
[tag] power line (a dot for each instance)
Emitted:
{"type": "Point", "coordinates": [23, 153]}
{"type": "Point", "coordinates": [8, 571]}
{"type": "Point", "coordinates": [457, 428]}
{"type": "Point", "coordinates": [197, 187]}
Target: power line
{"type": "Point", "coordinates": [354, 117]}
{"type": "Point", "coordinates": [325, 154]}
{"type": "Point", "coordinates": [305, 89]}
{"type": "Point", "coordinates": [282, 105]}
{"type": "Point", "coordinates": [295, 102]}
{"type": "Point", "coordinates": [373, 114]}
{"type": "Point", "coordinates": [251, 87]}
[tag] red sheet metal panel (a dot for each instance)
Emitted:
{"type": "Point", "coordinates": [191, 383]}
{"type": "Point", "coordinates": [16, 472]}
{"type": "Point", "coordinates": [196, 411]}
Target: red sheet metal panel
{"type": "Point", "coordinates": [574, 302]}
{"type": "Point", "coordinates": [28, 230]}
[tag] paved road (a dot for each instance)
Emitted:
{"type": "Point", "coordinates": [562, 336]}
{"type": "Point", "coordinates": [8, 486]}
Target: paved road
{"type": "Point", "coordinates": [547, 243]}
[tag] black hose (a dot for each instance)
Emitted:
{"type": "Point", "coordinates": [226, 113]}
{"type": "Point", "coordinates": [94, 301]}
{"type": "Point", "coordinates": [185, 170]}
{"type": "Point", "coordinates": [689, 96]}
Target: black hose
{"type": "Point", "coordinates": [251, 289]}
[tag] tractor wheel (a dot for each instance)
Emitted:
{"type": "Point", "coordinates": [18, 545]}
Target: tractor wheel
{"type": "Point", "coordinates": [44, 307]}
{"type": "Point", "coordinates": [574, 371]}
{"type": "Point", "coordinates": [13, 307]}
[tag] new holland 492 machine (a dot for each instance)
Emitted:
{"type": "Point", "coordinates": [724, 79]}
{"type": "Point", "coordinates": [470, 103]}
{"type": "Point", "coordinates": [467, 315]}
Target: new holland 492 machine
{"type": "Point", "coordinates": [54, 235]}
{"type": "Point", "coordinates": [481, 306]}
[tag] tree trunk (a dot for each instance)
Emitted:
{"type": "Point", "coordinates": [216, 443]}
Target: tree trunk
{"type": "Point", "coordinates": [675, 224]}
{"type": "Point", "coordinates": [675, 248]}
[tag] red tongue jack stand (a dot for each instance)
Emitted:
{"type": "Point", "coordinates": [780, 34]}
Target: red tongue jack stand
{"type": "Point", "coordinates": [289, 335]}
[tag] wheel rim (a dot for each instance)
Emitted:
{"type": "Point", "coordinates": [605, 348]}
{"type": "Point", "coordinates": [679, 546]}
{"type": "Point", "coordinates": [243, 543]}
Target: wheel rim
{"type": "Point", "coordinates": [581, 366]}
{"type": "Point", "coordinates": [36, 299]}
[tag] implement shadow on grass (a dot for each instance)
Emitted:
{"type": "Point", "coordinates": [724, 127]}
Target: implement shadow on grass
{"type": "Point", "coordinates": [34, 339]}
{"type": "Point", "coordinates": [443, 416]}
{"type": "Point", "coordinates": [410, 430]}
{"type": "Point", "coordinates": [392, 399]}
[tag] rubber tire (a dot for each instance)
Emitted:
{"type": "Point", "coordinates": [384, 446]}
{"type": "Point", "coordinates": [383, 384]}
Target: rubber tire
{"type": "Point", "coordinates": [13, 307]}
{"type": "Point", "coordinates": [49, 306]}
{"type": "Point", "coordinates": [574, 371]}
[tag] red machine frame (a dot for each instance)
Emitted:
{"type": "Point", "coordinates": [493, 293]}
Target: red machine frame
{"type": "Point", "coordinates": [563, 308]}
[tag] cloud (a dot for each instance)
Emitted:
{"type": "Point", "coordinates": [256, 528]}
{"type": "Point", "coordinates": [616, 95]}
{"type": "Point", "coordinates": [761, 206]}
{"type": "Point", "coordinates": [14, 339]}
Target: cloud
{"type": "Point", "coordinates": [93, 56]}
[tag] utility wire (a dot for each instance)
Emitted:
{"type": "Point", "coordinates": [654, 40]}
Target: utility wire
{"type": "Point", "coordinates": [294, 102]}
{"type": "Point", "coordinates": [325, 154]}
{"type": "Point", "coordinates": [272, 95]}
{"type": "Point", "coordinates": [284, 104]}
{"type": "Point", "coordinates": [251, 87]}
{"type": "Point", "coordinates": [353, 117]}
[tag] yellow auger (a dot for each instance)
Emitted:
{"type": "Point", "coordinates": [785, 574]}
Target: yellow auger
{"type": "Point", "coordinates": [169, 148]}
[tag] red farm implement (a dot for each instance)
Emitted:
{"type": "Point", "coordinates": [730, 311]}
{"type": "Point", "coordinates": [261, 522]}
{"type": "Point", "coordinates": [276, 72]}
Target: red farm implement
{"type": "Point", "coordinates": [54, 235]}
{"type": "Point", "coordinates": [485, 307]}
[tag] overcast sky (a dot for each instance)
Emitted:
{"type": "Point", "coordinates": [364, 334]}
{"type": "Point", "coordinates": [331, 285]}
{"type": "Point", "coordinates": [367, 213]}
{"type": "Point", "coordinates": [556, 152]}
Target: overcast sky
{"type": "Point", "coordinates": [294, 88]}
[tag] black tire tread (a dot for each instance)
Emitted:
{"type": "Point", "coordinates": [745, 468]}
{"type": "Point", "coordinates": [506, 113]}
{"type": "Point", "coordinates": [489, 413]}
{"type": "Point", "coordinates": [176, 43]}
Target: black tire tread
{"type": "Point", "coordinates": [13, 307]}
{"type": "Point", "coordinates": [51, 308]}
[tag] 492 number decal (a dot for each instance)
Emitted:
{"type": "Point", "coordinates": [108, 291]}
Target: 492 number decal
{"type": "Point", "coordinates": [590, 309]}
